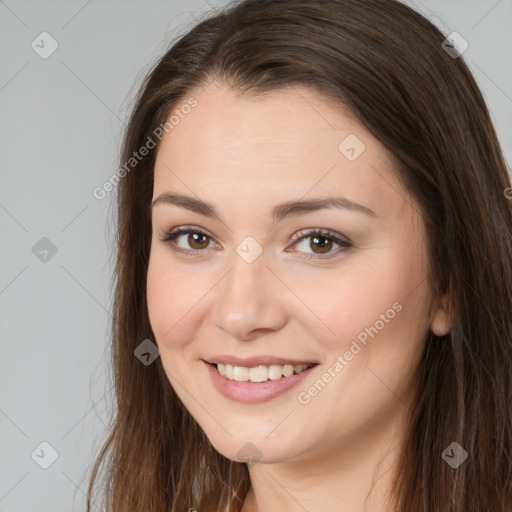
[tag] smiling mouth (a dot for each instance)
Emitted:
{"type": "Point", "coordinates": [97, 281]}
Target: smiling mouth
{"type": "Point", "coordinates": [260, 373]}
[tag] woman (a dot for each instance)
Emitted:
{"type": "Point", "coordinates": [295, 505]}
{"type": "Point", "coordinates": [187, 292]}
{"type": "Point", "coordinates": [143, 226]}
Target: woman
{"type": "Point", "coordinates": [316, 234]}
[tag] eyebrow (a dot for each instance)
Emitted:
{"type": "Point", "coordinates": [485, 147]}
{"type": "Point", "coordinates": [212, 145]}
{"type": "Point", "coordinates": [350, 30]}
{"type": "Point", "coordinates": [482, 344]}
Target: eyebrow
{"type": "Point", "coordinates": [288, 209]}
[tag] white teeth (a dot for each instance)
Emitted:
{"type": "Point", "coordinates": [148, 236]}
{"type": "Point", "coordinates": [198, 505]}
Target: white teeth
{"type": "Point", "coordinates": [240, 373]}
{"type": "Point", "coordinates": [259, 373]}
{"type": "Point", "coordinates": [288, 370]}
{"type": "Point", "coordinates": [275, 372]}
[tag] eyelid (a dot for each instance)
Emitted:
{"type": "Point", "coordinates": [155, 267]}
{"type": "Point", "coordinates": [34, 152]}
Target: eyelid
{"type": "Point", "coordinates": [307, 232]}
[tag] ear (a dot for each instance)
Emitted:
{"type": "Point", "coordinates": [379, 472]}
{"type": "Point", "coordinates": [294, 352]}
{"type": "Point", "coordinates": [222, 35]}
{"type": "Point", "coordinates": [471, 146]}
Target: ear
{"type": "Point", "coordinates": [442, 320]}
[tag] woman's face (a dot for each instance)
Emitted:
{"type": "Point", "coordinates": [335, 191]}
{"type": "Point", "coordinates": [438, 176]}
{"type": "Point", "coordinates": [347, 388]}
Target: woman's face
{"type": "Point", "coordinates": [251, 285]}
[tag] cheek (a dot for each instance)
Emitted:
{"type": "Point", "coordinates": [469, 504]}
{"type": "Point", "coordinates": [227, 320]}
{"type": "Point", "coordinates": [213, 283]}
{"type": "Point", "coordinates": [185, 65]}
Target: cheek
{"type": "Point", "coordinates": [158, 301]}
{"type": "Point", "coordinates": [166, 297]}
{"type": "Point", "coordinates": [178, 301]}
{"type": "Point", "coordinates": [342, 302]}
{"type": "Point", "coordinates": [377, 306]}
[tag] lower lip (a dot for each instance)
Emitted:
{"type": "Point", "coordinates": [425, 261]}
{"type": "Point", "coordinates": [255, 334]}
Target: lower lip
{"type": "Point", "coordinates": [254, 392]}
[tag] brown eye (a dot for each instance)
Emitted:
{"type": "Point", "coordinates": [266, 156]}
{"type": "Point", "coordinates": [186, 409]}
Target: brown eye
{"type": "Point", "coordinates": [321, 242]}
{"type": "Point", "coordinates": [195, 242]}
{"type": "Point", "coordinates": [197, 238]}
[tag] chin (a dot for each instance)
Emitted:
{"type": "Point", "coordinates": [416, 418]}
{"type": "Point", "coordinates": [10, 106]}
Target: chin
{"type": "Point", "coordinates": [256, 450]}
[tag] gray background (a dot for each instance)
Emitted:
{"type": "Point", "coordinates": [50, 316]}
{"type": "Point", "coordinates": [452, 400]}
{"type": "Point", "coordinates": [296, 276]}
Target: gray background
{"type": "Point", "coordinates": [60, 129]}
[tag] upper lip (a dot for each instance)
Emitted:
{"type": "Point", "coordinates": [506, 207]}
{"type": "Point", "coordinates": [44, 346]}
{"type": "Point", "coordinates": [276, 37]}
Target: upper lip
{"type": "Point", "coordinates": [251, 362]}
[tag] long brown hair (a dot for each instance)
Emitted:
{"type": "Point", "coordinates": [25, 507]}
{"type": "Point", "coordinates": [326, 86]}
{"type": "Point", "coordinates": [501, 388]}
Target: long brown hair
{"type": "Point", "coordinates": [386, 63]}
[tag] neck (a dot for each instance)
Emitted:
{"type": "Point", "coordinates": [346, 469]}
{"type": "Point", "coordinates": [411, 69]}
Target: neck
{"type": "Point", "coordinates": [356, 476]}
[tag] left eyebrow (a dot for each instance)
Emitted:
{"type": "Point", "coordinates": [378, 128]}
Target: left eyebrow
{"type": "Point", "coordinates": [288, 209]}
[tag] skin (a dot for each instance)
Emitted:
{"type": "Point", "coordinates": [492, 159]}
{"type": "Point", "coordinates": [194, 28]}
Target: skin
{"type": "Point", "coordinates": [245, 154]}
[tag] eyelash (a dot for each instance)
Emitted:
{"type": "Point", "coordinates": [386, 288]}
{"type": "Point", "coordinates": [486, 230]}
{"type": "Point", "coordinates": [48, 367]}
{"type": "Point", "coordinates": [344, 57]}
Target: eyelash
{"type": "Point", "coordinates": [345, 244]}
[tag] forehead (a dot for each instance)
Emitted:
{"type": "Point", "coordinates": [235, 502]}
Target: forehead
{"type": "Point", "coordinates": [287, 143]}
{"type": "Point", "coordinates": [285, 124]}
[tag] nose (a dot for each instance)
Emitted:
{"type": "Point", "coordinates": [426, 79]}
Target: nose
{"type": "Point", "coordinates": [250, 300]}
